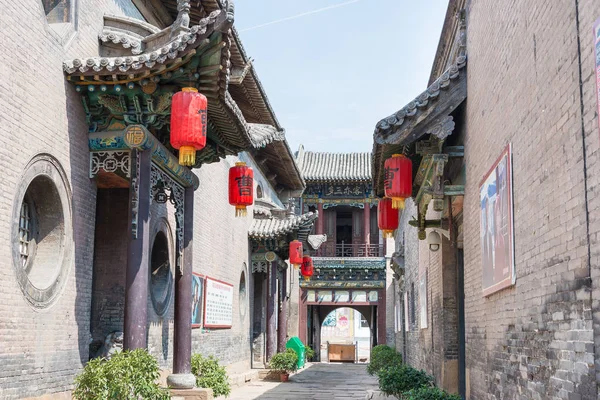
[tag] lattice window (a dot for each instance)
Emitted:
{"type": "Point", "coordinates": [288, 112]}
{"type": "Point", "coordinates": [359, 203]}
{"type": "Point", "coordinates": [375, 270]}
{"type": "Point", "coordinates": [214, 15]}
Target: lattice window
{"type": "Point", "coordinates": [24, 232]}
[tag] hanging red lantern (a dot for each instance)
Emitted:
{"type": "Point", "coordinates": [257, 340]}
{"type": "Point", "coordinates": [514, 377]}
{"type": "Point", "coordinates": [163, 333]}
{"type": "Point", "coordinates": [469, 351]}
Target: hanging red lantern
{"type": "Point", "coordinates": [296, 253]}
{"type": "Point", "coordinates": [188, 124]}
{"type": "Point", "coordinates": [241, 188]}
{"type": "Point", "coordinates": [307, 269]}
{"type": "Point", "coordinates": [387, 218]}
{"type": "Point", "coordinates": [398, 179]}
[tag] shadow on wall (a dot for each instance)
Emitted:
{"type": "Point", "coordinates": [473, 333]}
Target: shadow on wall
{"type": "Point", "coordinates": [83, 216]}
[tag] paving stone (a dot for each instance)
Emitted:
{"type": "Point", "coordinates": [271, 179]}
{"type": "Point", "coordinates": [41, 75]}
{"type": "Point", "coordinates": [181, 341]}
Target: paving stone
{"type": "Point", "coordinates": [316, 382]}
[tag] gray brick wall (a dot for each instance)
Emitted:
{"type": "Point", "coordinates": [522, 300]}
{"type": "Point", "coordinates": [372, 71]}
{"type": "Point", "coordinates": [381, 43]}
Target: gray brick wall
{"type": "Point", "coordinates": [42, 350]}
{"type": "Point", "coordinates": [534, 340]}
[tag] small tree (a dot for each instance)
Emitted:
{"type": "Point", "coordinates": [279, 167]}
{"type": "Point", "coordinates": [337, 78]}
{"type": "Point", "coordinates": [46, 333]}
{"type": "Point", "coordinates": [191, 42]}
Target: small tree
{"type": "Point", "coordinates": [429, 393]}
{"type": "Point", "coordinates": [284, 362]}
{"type": "Point", "coordinates": [399, 379]}
{"type": "Point", "coordinates": [209, 374]}
{"type": "Point", "coordinates": [383, 356]}
{"type": "Point", "coordinates": [128, 375]}
{"type": "Point", "coordinates": [309, 353]}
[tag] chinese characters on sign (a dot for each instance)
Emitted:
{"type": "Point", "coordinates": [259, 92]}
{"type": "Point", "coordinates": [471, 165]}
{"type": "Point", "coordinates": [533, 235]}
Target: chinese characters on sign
{"type": "Point", "coordinates": [496, 232]}
{"type": "Point", "coordinates": [218, 309]}
{"type": "Point", "coordinates": [339, 190]}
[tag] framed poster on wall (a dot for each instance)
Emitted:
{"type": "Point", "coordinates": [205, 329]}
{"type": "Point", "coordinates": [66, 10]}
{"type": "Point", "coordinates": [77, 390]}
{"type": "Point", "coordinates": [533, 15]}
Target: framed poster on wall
{"type": "Point", "coordinates": [496, 230]}
{"type": "Point", "coordinates": [218, 304]}
{"type": "Point", "coordinates": [197, 300]}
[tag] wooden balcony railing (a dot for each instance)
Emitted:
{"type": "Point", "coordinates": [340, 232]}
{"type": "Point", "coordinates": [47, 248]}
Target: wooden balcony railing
{"type": "Point", "coordinates": [350, 250]}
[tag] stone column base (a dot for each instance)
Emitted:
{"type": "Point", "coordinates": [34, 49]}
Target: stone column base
{"type": "Point", "coordinates": [181, 381]}
{"type": "Point", "coordinates": [192, 394]}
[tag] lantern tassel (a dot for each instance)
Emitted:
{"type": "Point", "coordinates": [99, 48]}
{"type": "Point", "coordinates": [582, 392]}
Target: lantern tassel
{"type": "Point", "coordinates": [398, 203]}
{"type": "Point", "coordinates": [240, 211]}
{"type": "Point", "coordinates": [187, 155]}
{"type": "Point", "coordinates": [388, 234]}
{"type": "Point", "coordinates": [307, 279]}
{"type": "Point", "coordinates": [296, 266]}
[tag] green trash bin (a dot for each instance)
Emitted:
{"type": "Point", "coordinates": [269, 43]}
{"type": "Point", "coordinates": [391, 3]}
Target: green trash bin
{"type": "Point", "coordinates": [295, 344]}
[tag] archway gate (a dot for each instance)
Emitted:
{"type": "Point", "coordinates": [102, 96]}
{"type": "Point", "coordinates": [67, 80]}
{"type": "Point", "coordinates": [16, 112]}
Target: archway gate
{"type": "Point", "coordinates": [357, 283]}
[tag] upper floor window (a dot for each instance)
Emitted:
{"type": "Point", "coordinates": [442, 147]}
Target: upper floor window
{"type": "Point", "coordinates": [259, 192]}
{"type": "Point", "coordinates": [61, 18]}
{"type": "Point", "coordinates": [57, 11]}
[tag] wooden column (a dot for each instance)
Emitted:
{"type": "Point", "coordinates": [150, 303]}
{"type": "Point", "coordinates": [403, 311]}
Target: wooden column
{"type": "Point", "coordinates": [303, 317]}
{"type": "Point", "coordinates": [321, 218]}
{"type": "Point", "coordinates": [282, 328]}
{"type": "Point", "coordinates": [182, 377]}
{"type": "Point", "coordinates": [272, 310]}
{"type": "Point", "coordinates": [138, 258]}
{"type": "Point", "coordinates": [183, 293]}
{"type": "Point", "coordinates": [381, 332]}
{"type": "Point", "coordinates": [367, 224]}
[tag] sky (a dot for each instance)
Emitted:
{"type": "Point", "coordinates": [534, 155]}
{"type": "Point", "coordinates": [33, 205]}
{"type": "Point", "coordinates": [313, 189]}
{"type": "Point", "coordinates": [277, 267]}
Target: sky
{"type": "Point", "coordinates": [333, 68]}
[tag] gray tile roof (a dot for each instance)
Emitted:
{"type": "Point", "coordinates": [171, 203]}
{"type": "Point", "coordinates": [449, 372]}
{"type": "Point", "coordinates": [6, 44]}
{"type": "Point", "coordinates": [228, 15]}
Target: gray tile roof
{"type": "Point", "coordinates": [421, 106]}
{"type": "Point", "coordinates": [334, 167]}
{"type": "Point", "coordinates": [270, 228]}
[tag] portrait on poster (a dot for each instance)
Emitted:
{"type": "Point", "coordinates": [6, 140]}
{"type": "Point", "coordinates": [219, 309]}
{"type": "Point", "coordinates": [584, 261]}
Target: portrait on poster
{"type": "Point", "coordinates": [496, 231]}
{"type": "Point", "coordinates": [197, 300]}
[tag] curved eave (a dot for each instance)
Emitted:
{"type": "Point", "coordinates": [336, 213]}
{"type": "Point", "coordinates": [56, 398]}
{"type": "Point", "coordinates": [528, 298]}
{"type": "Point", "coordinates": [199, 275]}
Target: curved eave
{"type": "Point", "coordinates": [274, 228]}
{"type": "Point", "coordinates": [418, 118]}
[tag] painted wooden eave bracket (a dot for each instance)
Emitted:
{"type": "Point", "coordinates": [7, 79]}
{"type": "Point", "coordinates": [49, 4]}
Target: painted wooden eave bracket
{"type": "Point", "coordinates": [432, 188]}
{"type": "Point", "coordinates": [138, 137]}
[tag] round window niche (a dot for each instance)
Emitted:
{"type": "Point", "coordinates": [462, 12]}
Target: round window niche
{"type": "Point", "coordinates": [42, 231]}
{"type": "Point", "coordinates": [161, 273]}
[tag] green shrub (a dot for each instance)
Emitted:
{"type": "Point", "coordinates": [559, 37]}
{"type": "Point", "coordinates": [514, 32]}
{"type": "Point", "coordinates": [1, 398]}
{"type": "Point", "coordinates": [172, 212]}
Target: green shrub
{"type": "Point", "coordinates": [399, 379]}
{"type": "Point", "coordinates": [209, 374]}
{"type": "Point", "coordinates": [383, 356]}
{"type": "Point", "coordinates": [429, 393]}
{"type": "Point", "coordinates": [128, 375]}
{"type": "Point", "coordinates": [285, 362]}
{"type": "Point", "coordinates": [309, 353]}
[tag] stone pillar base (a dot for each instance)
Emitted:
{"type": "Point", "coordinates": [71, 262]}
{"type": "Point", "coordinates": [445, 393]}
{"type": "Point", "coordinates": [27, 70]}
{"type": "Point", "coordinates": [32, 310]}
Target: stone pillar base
{"type": "Point", "coordinates": [181, 381]}
{"type": "Point", "coordinates": [192, 394]}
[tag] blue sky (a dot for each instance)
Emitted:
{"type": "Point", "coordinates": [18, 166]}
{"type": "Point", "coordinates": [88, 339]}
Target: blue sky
{"type": "Point", "coordinates": [332, 75]}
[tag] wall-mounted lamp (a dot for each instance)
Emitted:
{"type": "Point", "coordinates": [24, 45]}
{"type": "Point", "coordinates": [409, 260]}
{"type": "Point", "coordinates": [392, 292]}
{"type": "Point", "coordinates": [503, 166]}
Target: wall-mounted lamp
{"type": "Point", "coordinates": [434, 241]}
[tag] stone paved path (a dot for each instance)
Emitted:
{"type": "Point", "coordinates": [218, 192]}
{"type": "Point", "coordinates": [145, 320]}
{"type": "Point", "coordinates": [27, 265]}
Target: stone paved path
{"type": "Point", "coordinates": [318, 382]}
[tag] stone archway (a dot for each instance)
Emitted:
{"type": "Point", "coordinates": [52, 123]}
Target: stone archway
{"type": "Point", "coordinates": [359, 330]}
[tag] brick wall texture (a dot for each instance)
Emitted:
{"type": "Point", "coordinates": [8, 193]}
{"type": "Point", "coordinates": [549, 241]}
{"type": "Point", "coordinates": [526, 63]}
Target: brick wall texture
{"type": "Point", "coordinates": [41, 350]}
{"type": "Point", "coordinates": [530, 84]}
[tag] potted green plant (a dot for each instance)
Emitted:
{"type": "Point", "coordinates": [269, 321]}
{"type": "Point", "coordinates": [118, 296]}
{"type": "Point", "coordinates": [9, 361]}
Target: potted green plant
{"type": "Point", "coordinates": [284, 363]}
{"type": "Point", "coordinates": [309, 352]}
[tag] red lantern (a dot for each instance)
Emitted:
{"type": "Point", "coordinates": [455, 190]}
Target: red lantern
{"type": "Point", "coordinates": [307, 269]}
{"type": "Point", "coordinates": [241, 188]}
{"type": "Point", "coordinates": [188, 124]}
{"type": "Point", "coordinates": [296, 253]}
{"type": "Point", "coordinates": [398, 179]}
{"type": "Point", "coordinates": [387, 218]}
